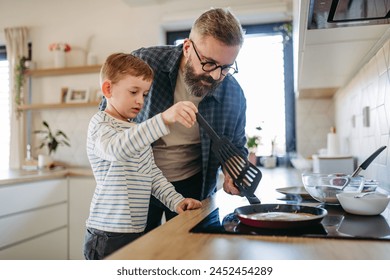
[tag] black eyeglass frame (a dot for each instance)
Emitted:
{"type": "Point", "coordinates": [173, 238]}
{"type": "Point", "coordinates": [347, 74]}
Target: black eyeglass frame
{"type": "Point", "coordinates": [214, 66]}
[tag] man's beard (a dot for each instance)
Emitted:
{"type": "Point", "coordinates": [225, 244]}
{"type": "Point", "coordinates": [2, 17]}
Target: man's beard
{"type": "Point", "coordinates": [194, 83]}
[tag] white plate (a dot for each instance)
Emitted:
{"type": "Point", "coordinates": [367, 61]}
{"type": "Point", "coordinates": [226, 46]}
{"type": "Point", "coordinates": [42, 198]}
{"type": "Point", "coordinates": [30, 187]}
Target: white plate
{"type": "Point", "coordinates": [299, 190]}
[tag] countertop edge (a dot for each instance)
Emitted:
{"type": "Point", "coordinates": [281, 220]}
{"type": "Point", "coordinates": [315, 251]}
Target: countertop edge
{"type": "Point", "coordinates": [17, 176]}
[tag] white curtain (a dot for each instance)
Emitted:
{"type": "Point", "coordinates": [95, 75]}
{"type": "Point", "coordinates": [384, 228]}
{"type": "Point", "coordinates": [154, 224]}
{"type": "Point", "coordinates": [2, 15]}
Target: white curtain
{"type": "Point", "coordinates": [17, 47]}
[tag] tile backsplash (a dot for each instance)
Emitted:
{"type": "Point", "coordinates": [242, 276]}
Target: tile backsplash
{"type": "Point", "coordinates": [361, 115]}
{"type": "Point", "coordinates": [74, 123]}
{"type": "Point", "coordinates": [314, 119]}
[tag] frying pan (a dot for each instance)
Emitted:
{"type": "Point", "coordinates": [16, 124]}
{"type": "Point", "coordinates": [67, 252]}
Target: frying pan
{"type": "Point", "coordinates": [245, 175]}
{"type": "Point", "coordinates": [246, 215]}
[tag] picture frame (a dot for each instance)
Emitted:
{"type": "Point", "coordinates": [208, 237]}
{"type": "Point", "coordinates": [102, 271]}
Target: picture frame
{"type": "Point", "coordinates": [77, 95]}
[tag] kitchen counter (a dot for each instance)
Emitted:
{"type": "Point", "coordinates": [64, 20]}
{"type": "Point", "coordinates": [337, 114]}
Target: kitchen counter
{"type": "Point", "coordinates": [15, 176]}
{"type": "Point", "coordinates": [173, 240]}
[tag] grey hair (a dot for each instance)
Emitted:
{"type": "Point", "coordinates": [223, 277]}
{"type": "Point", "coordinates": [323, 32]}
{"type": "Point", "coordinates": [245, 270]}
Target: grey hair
{"type": "Point", "coordinates": [220, 24]}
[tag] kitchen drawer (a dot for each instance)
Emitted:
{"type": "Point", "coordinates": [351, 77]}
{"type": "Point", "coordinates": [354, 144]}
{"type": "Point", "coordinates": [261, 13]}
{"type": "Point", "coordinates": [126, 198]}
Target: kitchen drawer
{"type": "Point", "coordinates": [22, 226]}
{"type": "Point", "coordinates": [22, 197]}
{"type": "Point", "coordinates": [50, 246]}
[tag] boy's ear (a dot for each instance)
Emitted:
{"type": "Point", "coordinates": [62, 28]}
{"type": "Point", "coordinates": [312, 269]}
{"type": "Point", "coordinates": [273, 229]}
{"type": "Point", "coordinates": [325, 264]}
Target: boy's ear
{"type": "Point", "coordinates": [106, 88]}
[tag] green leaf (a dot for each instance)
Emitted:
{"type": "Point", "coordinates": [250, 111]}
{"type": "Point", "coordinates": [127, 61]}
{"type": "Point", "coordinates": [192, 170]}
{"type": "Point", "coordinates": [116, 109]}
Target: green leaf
{"type": "Point", "coordinates": [52, 141]}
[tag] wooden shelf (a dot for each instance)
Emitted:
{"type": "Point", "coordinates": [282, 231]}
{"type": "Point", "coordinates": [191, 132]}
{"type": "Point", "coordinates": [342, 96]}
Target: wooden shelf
{"type": "Point", "coordinates": [57, 106]}
{"type": "Point", "coordinates": [63, 71]}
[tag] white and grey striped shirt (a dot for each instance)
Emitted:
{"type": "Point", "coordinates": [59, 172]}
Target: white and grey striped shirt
{"type": "Point", "coordinates": [123, 165]}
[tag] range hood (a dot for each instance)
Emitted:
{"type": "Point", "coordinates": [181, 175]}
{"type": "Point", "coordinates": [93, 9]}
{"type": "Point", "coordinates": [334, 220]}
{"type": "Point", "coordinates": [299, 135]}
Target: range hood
{"type": "Point", "coordinates": [341, 13]}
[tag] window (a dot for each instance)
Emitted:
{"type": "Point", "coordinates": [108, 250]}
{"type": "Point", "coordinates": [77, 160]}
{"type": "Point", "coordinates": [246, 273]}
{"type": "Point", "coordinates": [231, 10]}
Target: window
{"type": "Point", "coordinates": [264, 91]}
{"type": "Point", "coordinates": [4, 111]}
{"type": "Point", "coordinates": [266, 76]}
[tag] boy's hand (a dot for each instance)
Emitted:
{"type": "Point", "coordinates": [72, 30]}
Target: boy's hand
{"type": "Point", "coordinates": [188, 204]}
{"type": "Point", "coordinates": [182, 112]}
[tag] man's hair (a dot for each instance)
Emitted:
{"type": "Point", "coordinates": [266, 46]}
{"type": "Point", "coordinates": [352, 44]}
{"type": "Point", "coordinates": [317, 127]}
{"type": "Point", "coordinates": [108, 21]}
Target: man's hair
{"type": "Point", "coordinates": [119, 65]}
{"type": "Point", "coordinates": [220, 24]}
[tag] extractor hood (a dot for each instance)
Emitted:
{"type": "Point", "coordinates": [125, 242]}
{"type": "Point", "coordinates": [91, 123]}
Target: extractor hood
{"type": "Point", "coordinates": [342, 13]}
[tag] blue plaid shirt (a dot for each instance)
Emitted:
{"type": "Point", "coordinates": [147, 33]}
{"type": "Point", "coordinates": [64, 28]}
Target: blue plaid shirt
{"type": "Point", "coordinates": [224, 109]}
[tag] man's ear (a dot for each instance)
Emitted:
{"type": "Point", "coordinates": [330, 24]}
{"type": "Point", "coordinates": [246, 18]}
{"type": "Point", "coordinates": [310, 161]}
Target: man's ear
{"type": "Point", "coordinates": [186, 47]}
{"type": "Point", "coordinates": [106, 88]}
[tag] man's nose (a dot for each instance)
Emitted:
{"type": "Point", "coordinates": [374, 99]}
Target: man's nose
{"type": "Point", "coordinates": [216, 74]}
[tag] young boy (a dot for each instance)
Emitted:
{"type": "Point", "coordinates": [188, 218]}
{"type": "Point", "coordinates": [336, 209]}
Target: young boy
{"type": "Point", "coordinates": [121, 157]}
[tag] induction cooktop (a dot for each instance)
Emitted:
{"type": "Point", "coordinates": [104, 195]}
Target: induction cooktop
{"type": "Point", "coordinates": [337, 224]}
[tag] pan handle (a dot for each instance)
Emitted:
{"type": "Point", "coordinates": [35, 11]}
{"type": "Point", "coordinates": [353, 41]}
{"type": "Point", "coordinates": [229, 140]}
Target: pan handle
{"type": "Point", "coordinates": [203, 123]}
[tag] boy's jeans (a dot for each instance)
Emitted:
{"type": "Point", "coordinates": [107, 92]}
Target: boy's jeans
{"type": "Point", "coordinates": [99, 244]}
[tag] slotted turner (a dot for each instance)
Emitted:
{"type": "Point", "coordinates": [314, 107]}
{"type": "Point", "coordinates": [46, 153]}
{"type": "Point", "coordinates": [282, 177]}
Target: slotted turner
{"type": "Point", "coordinates": [245, 175]}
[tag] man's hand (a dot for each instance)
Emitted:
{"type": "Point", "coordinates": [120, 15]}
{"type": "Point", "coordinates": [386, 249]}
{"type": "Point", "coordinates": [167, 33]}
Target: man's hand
{"type": "Point", "coordinates": [228, 185]}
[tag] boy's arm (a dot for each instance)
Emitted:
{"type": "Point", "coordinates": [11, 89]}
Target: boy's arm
{"type": "Point", "coordinates": [113, 145]}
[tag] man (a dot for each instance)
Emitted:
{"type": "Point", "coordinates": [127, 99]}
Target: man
{"type": "Point", "coordinates": [201, 71]}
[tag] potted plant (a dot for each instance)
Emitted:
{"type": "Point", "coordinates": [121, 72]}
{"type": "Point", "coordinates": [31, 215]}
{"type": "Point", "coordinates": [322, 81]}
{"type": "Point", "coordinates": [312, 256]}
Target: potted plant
{"type": "Point", "coordinates": [59, 50]}
{"type": "Point", "coordinates": [252, 143]}
{"type": "Point", "coordinates": [20, 68]}
{"type": "Point", "coordinates": [51, 141]}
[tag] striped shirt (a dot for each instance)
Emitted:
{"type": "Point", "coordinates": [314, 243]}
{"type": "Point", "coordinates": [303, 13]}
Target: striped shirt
{"type": "Point", "coordinates": [123, 166]}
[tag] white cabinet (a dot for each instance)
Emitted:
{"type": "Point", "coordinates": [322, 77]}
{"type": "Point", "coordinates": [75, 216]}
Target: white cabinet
{"type": "Point", "coordinates": [45, 220]}
{"type": "Point", "coordinates": [51, 246]}
{"type": "Point", "coordinates": [34, 220]}
{"type": "Point", "coordinates": [80, 195]}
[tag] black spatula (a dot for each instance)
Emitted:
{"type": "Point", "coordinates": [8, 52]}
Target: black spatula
{"type": "Point", "coordinates": [245, 175]}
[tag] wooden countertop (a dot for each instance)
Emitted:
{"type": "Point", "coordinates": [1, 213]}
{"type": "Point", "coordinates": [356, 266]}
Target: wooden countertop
{"type": "Point", "coordinates": [15, 176]}
{"type": "Point", "coordinates": [173, 241]}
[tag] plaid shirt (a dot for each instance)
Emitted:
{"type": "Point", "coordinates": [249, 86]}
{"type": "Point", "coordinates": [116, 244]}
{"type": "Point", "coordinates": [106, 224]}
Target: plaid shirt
{"type": "Point", "coordinates": [224, 109]}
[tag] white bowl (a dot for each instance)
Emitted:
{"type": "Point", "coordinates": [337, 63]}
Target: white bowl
{"type": "Point", "coordinates": [371, 204]}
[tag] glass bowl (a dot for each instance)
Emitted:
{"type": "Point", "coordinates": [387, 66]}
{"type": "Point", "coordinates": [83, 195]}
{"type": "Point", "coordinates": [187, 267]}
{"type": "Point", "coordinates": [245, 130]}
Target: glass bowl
{"type": "Point", "coordinates": [324, 187]}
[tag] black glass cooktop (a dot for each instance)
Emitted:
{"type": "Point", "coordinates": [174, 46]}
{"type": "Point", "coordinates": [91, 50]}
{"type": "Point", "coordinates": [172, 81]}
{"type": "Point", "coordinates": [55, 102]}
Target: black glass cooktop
{"type": "Point", "coordinates": [337, 224]}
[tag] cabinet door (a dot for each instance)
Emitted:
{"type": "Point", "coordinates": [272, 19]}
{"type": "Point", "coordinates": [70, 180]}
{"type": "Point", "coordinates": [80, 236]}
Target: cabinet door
{"type": "Point", "coordinates": [32, 215]}
{"type": "Point", "coordinates": [45, 247]}
{"type": "Point", "coordinates": [27, 196]}
{"type": "Point", "coordinates": [27, 225]}
{"type": "Point", "coordinates": [80, 195]}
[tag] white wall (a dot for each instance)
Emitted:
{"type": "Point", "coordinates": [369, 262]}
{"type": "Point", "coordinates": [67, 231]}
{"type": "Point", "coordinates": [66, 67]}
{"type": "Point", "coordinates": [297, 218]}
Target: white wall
{"type": "Point", "coordinates": [314, 118]}
{"type": "Point", "coordinates": [110, 26]}
{"type": "Point", "coordinates": [114, 26]}
{"type": "Point", "coordinates": [370, 87]}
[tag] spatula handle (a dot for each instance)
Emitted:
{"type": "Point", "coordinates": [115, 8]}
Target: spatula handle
{"type": "Point", "coordinates": [368, 161]}
{"type": "Point", "coordinates": [203, 123]}
{"type": "Point", "coordinates": [253, 199]}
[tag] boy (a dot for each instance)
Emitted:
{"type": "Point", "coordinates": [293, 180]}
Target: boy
{"type": "Point", "coordinates": [122, 160]}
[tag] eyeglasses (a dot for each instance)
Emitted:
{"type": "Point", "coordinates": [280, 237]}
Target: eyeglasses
{"type": "Point", "coordinates": [209, 66]}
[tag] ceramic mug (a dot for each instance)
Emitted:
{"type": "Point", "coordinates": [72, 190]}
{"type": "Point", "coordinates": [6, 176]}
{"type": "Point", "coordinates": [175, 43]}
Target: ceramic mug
{"type": "Point", "coordinates": [268, 162]}
{"type": "Point", "coordinates": [44, 161]}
